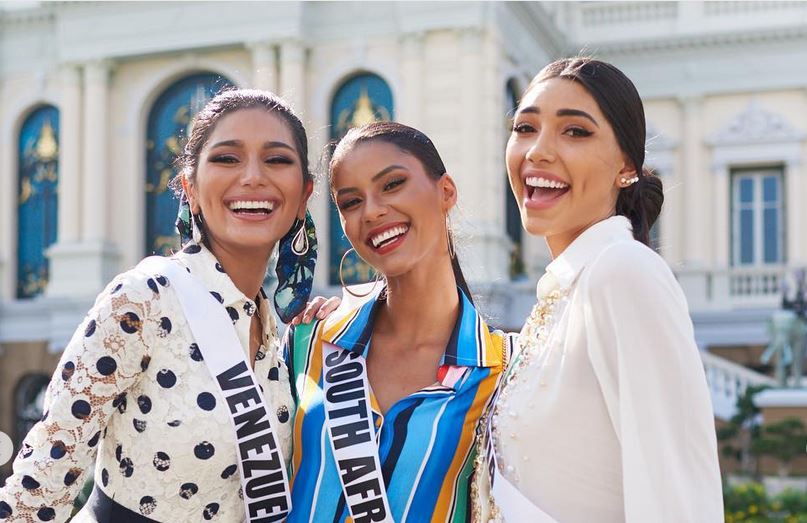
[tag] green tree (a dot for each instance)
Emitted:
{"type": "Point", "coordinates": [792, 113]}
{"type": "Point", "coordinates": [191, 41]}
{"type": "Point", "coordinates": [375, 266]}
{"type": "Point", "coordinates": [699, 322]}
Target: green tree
{"type": "Point", "coordinates": [742, 430]}
{"type": "Point", "coordinates": [782, 440]}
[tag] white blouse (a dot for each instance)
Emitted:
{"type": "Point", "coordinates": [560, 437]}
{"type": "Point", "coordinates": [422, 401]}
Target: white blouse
{"type": "Point", "coordinates": [611, 420]}
{"type": "Point", "coordinates": [133, 397]}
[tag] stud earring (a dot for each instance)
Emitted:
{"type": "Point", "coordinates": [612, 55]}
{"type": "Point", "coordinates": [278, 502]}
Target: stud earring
{"type": "Point", "coordinates": [627, 182]}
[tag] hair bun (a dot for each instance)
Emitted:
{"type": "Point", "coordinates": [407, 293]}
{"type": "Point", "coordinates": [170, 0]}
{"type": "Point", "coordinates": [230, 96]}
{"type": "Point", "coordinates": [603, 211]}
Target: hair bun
{"type": "Point", "coordinates": [651, 192]}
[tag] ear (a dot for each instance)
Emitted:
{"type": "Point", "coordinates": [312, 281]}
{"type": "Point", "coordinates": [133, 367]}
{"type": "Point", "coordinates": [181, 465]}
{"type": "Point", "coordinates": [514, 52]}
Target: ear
{"type": "Point", "coordinates": [627, 171]}
{"type": "Point", "coordinates": [448, 192]}
{"type": "Point", "coordinates": [308, 189]}
{"type": "Point", "coordinates": [190, 192]}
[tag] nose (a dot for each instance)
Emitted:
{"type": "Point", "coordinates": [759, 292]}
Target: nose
{"type": "Point", "coordinates": [374, 208]}
{"type": "Point", "coordinates": [542, 149]}
{"type": "Point", "coordinates": [253, 174]}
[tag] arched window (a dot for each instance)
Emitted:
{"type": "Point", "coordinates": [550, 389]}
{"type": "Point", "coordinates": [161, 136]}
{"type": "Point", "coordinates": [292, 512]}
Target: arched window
{"type": "Point", "coordinates": [360, 100]}
{"type": "Point", "coordinates": [512, 214]}
{"type": "Point", "coordinates": [168, 125]}
{"type": "Point", "coordinates": [37, 203]}
{"type": "Point", "coordinates": [28, 403]}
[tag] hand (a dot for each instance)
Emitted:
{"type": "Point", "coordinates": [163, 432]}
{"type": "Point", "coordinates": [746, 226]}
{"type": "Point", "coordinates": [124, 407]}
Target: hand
{"type": "Point", "coordinates": [319, 307]}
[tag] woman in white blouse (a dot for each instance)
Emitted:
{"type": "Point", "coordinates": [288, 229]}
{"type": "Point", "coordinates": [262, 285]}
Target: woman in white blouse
{"type": "Point", "coordinates": [133, 394]}
{"type": "Point", "coordinates": [605, 415]}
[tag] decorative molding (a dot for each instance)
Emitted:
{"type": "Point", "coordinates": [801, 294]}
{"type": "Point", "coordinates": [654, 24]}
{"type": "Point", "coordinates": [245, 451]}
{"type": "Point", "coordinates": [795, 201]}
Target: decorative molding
{"type": "Point", "coordinates": [756, 125]}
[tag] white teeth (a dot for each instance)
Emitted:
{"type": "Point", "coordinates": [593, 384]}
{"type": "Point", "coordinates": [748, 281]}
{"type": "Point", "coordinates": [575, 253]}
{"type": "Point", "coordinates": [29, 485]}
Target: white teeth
{"type": "Point", "coordinates": [389, 233]}
{"type": "Point", "coordinates": [537, 181]}
{"type": "Point", "coordinates": [251, 204]}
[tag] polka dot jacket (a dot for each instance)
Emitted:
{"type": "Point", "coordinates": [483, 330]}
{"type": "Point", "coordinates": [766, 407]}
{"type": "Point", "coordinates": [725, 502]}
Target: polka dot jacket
{"type": "Point", "coordinates": [133, 396]}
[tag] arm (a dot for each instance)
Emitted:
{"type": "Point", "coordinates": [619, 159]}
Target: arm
{"type": "Point", "coordinates": [103, 359]}
{"type": "Point", "coordinates": [641, 345]}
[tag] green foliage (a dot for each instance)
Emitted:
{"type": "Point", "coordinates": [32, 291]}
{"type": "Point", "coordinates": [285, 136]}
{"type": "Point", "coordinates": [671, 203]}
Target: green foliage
{"type": "Point", "coordinates": [750, 503]}
{"type": "Point", "coordinates": [782, 440]}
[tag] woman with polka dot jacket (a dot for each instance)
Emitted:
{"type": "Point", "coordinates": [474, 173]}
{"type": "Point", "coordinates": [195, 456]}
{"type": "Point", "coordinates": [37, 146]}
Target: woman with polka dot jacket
{"type": "Point", "coordinates": [133, 394]}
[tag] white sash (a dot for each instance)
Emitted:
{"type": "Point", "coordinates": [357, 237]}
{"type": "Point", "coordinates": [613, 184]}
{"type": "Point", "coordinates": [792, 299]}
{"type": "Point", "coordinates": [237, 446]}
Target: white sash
{"type": "Point", "coordinates": [264, 481]}
{"type": "Point", "coordinates": [349, 418]}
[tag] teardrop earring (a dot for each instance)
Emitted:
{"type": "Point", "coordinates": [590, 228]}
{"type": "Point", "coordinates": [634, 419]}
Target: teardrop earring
{"type": "Point", "coordinates": [299, 244]}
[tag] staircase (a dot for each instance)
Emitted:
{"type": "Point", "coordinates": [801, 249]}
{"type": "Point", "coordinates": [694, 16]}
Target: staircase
{"type": "Point", "coordinates": [728, 380]}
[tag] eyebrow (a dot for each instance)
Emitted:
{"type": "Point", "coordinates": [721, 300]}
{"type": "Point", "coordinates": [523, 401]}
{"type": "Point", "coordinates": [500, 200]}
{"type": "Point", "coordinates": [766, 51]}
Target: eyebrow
{"type": "Point", "coordinates": [239, 143]}
{"type": "Point", "coordinates": [561, 112]}
{"type": "Point", "coordinates": [379, 174]}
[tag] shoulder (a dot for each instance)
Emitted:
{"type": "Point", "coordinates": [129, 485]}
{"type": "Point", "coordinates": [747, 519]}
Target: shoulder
{"type": "Point", "coordinates": [628, 262]}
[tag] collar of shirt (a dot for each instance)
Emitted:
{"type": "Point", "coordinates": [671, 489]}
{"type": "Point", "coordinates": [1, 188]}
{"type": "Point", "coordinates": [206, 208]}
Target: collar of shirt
{"type": "Point", "coordinates": [564, 269]}
{"type": "Point", "coordinates": [470, 343]}
{"type": "Point", "coordinates": [204, 265]}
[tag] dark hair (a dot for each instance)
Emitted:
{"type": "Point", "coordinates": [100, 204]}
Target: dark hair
{"type": "Point", "coordinates": [619, 101]}
{"type": "Point", "coordinates": [224, 103]}
{"type": "Point", "coordinates": [409, 140]}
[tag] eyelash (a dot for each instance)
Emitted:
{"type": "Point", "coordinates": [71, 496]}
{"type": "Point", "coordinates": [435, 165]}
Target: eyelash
{"type": "Point", "coordinates": [348, 204]}
{"type": "Point", "coordinates": [574, 132]}
{"type": "Point", "coordinates": [229, 159]}
{"type": "Point", "coordinates": [392, 184]}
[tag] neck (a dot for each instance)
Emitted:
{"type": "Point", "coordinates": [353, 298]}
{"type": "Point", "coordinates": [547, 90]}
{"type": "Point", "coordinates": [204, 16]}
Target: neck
{"type": "Point", "coordinates": [245, 267]}
{"type": "Point", "coordinates": [558, 243]}
{"type": "Point", "coordinates": [423, 303]}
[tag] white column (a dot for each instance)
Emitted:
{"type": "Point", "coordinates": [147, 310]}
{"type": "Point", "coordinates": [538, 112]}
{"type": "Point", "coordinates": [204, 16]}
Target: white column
{"type": "Point", "coordinates": [95, 192]}
{"type": "Point", "coordinates": [697, 228]}
{"type": "Point", "coordinates": [264, 66]}
{"type": "Point", "coordinates": [722, 223]}
{"type": "Point", "coordinates": [795, 190]}
{"type": "Point", "coordinates": [410, 108]}
{"type": "Point", "coordinates": [292, 75]}
{"type": "Point", "coordinates": [70, 155]}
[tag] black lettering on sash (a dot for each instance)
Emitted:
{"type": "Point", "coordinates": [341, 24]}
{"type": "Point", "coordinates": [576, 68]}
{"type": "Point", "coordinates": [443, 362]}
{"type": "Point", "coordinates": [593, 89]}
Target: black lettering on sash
{"type": "Point", "coordinates": [271, 519]}
{"type": "Point", "coordinates": [359, 409]}
{"type": "Point", "coordinates": [354, 468]}
{"type": "Point", "coordinates": [257, 444]}
{"type": "Point", "coordinates": [254, 420]}
{"type": "Point", "coordinates": [244, 398]}
{"type": "Point", "coordinates": [269, 505]}
{"type": "Point", "coordinates": [347, 371]}
{"type": "Point", "coordinates": [370, 510]}
{"type": "Point", "coordinates": [346, 391]}
{"type": "Point", "coordinates": [260, 464]}
{"type": "Point", "coordinates": [336, 357]}
{"type": "Point", "coordinates": [364, 488]}
{"type": "Point", "coordinates": [350, 434]}
{"type": "Point", "coordinates": [232, 379]}
{"type": "Point", "coordinates": [262, 486]}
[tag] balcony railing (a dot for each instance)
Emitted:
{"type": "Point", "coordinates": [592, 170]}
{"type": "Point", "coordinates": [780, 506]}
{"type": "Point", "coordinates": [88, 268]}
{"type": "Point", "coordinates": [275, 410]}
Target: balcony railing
{"type": "Point", "coordinates": [727, 381]}
{"type": "Point", "coordinates": [734, 288]}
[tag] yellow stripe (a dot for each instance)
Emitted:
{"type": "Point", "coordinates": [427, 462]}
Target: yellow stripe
{"type": "Point", "coordinates": [483, 394]}
{"type": "Point", "coordinates": [308, 391]}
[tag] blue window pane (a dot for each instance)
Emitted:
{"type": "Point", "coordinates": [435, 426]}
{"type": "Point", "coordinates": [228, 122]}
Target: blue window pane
{"type": "Point", "coordinates": [746, 236]}
{"type": "Point", "coordinates": [746, 190]}
{"type": "Point", "coordinates": [168, 125]}
{"type": "Point", "coordinates": [770, 220]}
{"type": "Point", "coordinates": [37, 204]}
{"type": "Point", "coordinates": [360, 100]}
{"type": "Point", "coordinates": [770, 188]}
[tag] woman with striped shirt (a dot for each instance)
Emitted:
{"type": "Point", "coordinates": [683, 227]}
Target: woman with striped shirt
{"type": "Point", "coordinates": [389, 390]}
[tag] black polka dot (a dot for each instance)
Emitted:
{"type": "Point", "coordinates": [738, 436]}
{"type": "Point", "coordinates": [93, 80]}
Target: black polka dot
{"type": "Point", "coordinates": [249, 308]}
{"type": "Point", "coordinates": [217, 296]}
{"type": "Point", "coordinates": [30, 483]}
{"type": "Point", "coordinates": [90, 330]}
{"type": "Point", "coordinates": [233, 314]}
{"type": "Point", "coordinates": [130, 323]}
{"type": "Point", "coordinates": [229, 471]}
{"type": "Point", "coordinates": [144, 403]}
{"type": "Point", "coordinates": [120, 402]}
{"type": "Point", "coordinates": [126, 467]}
{"type": "Point", "coordinates": [117, 288]}
{"type": "Point", "coordinates": [80, 409]}
{"type": "Point", "coordinates": [45, 514]}
{"type": "Point", "coordinates": [274, 374]}
{"type": "Point", "coordinates": [5, 510]}
{"type": "Point", "coordinates": [147, 505]}
{"type": "Point", "coordinates": [283, 414]}
{"type": "Point", "coordinates": [261, 354]}
{"type": "Point", "coordinates": [206, 401]}
{"type": "Point", "coordinates": [71, 476]}
{"type": "Point", "coordinates": [196, 354]}
{"type": "Point", "coordinates": [58, 450]}
{"type": "Point", "coordinates": [162, 461]}
{"type": "Point", "coordinates": [174, 423]}
{"type": "Point", "coordinates": [187, 490]}
{"type": "Point", "coordinates": [144, 363]}
{"type": "Point", "coordinates": [106, 365]}
{"type": "Point", "coordinates": [192, 248]}
{"type": "Point", "coordinates": [162, 280]}
{"type": "Point", "coordinates": [219, 267]}
{"type": "Point", "coordinates": [94, 440]}
{"type": "Point", "coordinates": [166, 378]}
{"type": "Point", "coordinates": [204, 450]}
{"type": "Point", "coordinates": [105, 477]}
{"type": "Point", "coordinates": [119, 452]}
{"type": "Point", "coordinates": [67, 370]}
{"type": "Point", "coordinates": [26, 451]}
{"type": "Point", "coordinates": [165, 325]}
{"type": "Point", "coordinates": [139, 425]}
{"type": "Point", "coordinates": [152, 285]}
{"type": "Point", "coordinates": [210, 510]}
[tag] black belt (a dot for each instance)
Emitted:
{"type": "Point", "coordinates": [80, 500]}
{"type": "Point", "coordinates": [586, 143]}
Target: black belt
{"type": "Point", "coordinates": [107, 510]}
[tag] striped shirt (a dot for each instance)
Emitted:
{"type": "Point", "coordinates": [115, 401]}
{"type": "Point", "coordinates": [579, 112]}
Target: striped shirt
{"type": "Point", "coordinates": [426, 441]}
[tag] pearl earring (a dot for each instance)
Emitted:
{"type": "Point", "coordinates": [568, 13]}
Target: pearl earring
{"type": "Point", "coordinates": [629, 181]}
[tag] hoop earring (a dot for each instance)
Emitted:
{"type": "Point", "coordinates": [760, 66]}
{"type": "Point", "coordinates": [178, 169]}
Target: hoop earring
{"type": "Point", "coordinates": [342, 279]}
{"type": "Point", "coordinates": [452, 253]}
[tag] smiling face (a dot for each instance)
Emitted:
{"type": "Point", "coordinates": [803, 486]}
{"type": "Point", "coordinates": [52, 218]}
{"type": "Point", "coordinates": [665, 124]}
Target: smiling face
{"type": "Point", "coordinates": [249, 184]}
{"type": "Point", "coordinates": [392, 211]}
{"type": "Point", "coordinates": [564, 163]}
